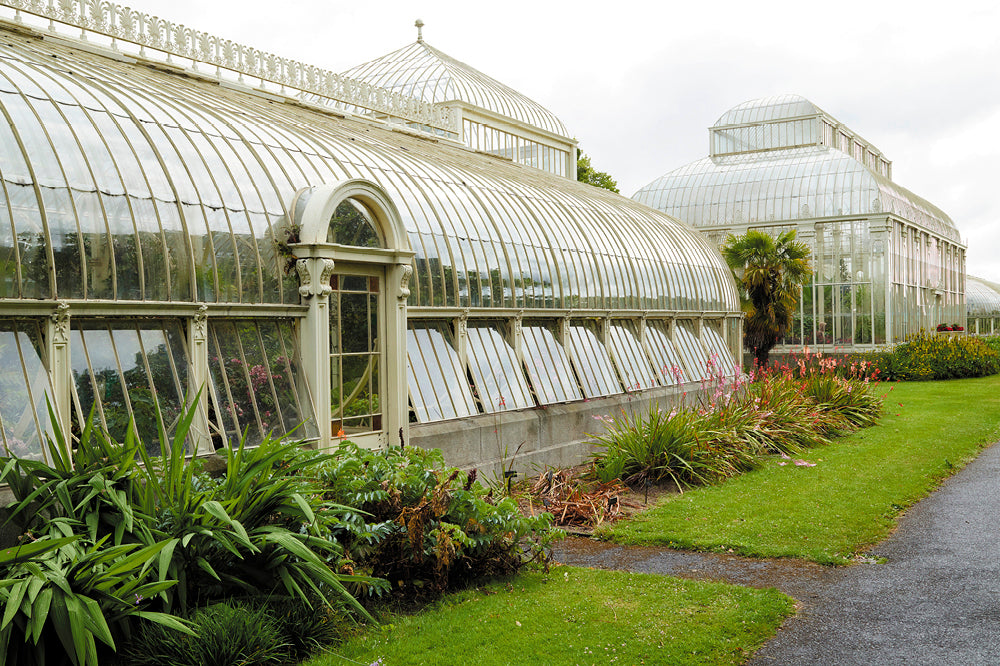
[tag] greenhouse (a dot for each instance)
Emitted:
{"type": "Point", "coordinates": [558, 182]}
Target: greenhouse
{"type": "Point", "coordinates": [886, 262]}
{"type": "Point", "coordinates": [188, 221]}
{"type": "Point", "coordinates": [982, 302]}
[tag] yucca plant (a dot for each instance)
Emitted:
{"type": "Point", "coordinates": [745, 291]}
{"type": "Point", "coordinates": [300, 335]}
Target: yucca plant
{"type": "Point", "coordinates": [654, 447]}
{"type": "Point", "coordinates": [264, 527]}
{"type": "Point", "coordinates": [847, 404]}
{"type": "Point", "coordinates": [787, 420]}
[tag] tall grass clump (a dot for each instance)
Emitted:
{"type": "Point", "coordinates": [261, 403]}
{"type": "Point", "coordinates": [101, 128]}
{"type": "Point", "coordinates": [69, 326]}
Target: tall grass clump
{"type": "Point", "coordinates": [779, 410]}
{"type": "Point", "coordinates": [928, 357]}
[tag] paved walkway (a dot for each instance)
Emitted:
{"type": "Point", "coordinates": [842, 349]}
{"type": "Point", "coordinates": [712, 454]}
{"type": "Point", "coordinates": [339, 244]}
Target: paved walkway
{"type": "Point", "coordinates": [936, 600]}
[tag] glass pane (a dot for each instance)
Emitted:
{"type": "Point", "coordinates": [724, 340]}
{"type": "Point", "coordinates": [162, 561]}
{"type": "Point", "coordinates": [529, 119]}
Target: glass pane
{"type": "Point", "coordinates": [355, 330]}
{"type": "Point", "coordinates": [665, 358]}
{"type": "Point", "coordinates": [98, 381]}
{"type": "Point", "coordinates": [24, 391]}
{"type": "Point", "coordinates": [548, 366]}
{"type": "Point", "coordinates": [720, 358]}
{"type": "Point", "coordinates": [692, 352]}
{"type": "Point", "coordinates": [136, 372]}
{"type": "Point", "coordinates": [232, 383]}
{"type": "Point", "coordinates": [630, 357]}
{"type": "Point", "coordinates": [351, 224]}
{"type": "Point", "coordinates": [283, 361]}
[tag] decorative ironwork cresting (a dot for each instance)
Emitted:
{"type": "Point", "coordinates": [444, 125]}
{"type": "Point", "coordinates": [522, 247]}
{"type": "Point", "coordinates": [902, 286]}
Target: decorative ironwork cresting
{"type": "Point", "coordinates": [174, 39]}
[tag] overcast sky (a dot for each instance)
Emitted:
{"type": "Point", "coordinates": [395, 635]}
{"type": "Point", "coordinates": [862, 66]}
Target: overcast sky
{"type": "Point", "coordinates": [639, 83]}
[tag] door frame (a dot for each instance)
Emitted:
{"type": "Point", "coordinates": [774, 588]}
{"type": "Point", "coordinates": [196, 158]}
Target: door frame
{"type": "Point", "coordinates": [316, 262]}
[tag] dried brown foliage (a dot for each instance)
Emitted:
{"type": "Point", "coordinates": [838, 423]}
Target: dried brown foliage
{"type": "Point", "coordinates": [575, 501]}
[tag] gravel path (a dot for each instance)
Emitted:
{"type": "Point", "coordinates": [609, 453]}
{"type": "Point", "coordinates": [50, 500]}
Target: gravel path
{"type": "Point", "coordinates": [936, 599]}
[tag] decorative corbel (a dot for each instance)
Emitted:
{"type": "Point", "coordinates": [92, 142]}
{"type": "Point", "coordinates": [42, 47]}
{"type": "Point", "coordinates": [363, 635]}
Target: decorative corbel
{"type": "Point", "coordinates": [200, 321]}
{"type": "Point", "coordinates": [307, 287]}
{"type": "Point", "coordinates": [60, 324]}
{"type": "Point", "coordinates": [405, 274]}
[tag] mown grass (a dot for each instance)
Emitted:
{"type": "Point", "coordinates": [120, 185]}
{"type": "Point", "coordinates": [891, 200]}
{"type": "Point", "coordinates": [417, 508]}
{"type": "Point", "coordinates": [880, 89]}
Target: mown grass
{"type": "Point", "coordinates": [577, 616]}
{"type": "Point", "coordinates": [850, 498]}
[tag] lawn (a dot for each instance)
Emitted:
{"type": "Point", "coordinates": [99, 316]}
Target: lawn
{"type": "Point", "coordinates": [576, 616]}
{"type": "Point", "coordinates": [839, 498]}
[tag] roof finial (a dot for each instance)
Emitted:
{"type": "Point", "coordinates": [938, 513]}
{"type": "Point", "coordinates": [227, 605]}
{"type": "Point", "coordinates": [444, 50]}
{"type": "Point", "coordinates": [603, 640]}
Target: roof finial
{"type": "Point", "coordinates": [420, 30]}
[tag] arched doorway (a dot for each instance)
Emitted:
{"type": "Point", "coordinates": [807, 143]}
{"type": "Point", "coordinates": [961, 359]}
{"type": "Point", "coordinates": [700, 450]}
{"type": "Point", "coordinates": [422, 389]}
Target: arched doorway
{"type": "Point", "coordinates": [354, 265]}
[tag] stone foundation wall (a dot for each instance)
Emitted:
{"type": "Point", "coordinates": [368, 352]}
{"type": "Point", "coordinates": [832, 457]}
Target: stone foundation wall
{"type": "Point", "coordinates": [528, 440]}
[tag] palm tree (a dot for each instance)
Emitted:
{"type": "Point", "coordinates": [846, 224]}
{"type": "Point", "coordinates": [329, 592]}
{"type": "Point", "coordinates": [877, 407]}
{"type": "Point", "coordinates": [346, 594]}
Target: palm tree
{"type": "Point", "coordinates": [769, 272]}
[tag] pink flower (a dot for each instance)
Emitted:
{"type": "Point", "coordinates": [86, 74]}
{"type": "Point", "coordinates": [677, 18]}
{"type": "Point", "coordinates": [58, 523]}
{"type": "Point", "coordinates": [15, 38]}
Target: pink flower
{"type": "Point", "coordinates": [803, 463]}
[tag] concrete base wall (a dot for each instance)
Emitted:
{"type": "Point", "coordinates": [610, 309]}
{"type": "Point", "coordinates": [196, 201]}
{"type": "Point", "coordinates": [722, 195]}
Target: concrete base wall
{"type": "Point", "coordinates": [528, 440]}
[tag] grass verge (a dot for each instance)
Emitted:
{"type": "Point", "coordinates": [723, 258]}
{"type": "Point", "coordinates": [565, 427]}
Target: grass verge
{"type": "Point", "coordinates": [850, 498]}
{"type": "Point", "coordinates": [577, 616]}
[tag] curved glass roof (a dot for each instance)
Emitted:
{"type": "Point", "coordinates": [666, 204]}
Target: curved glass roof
{"type": "Point", "coordinates": [779, 185]}
{"type": "Point", "coordinates": [981, 297]}
{"type": "Point", "coordinates": [126, 182]}
{"type": "Point", "coordinates": [768, 109]}
{"type": "Point", "coordinates": [420, 70]}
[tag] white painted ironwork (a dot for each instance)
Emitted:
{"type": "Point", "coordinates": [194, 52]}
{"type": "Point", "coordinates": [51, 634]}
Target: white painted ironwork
{"type": "Point", "coordinates": [174, 39]}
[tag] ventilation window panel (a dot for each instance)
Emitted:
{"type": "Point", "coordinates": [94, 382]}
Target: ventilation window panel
{"type": "Point", "coordinates": [438, 387]}
{"type": "Point", "coordinates": [548, 366]}
{"type": "Point", "coordinates": [498, 376]}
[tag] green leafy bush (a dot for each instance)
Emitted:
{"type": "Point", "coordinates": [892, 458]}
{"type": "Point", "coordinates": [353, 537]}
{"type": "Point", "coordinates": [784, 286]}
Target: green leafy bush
{"type": "Point", "coordinates": [424, 527]}
{"type": "Point", "coordinates": [929, 356]}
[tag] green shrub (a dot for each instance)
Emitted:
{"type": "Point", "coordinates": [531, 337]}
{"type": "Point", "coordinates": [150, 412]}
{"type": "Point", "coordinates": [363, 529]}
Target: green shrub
{"type": "Point", "coordinates": [846, 405]}
{"type": "Point", "coordinates": [655, 447]}
{"type": "Point", "coordinates": [993, 342]}
{"type": "Point", "coordinates": [928, 357]}
{"type": "Point", "coordinates": [423, 527]}
{"type": "Point", "coordinates": [306, 629]}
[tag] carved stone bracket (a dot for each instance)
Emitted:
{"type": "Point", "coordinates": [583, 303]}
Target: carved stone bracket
{"type": "Point", "coordinates": [518, 327]}
{"type": "Point", "coordinates": [462, 324]}
{"type": "Point", "coordinates": [324, 277]}
{"type": "Point", "coordinates": [305, 278]}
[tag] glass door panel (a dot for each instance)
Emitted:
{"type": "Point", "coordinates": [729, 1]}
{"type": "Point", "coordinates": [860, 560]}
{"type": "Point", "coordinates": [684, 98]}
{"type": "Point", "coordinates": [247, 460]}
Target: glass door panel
{"type": "Point", "coordinates": [356, 323]}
